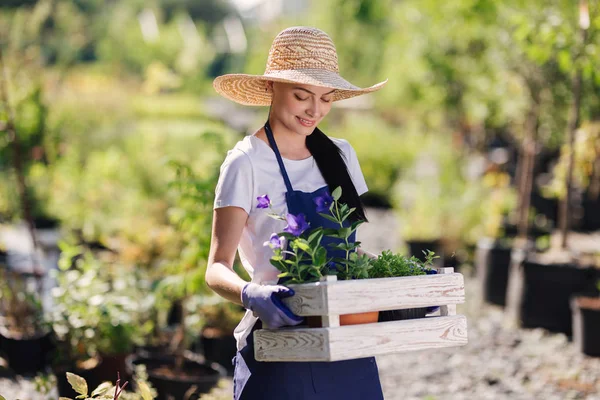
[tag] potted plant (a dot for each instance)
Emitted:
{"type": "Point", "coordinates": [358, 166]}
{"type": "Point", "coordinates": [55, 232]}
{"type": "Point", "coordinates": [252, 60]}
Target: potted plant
{"type": "Point", "coordinates": [219, 320]}
{"type": "Point", "coordinates": [586, 174]}
{"type": "Point", "coordinates": [307, 259]}
{"type": "Point", "coordinates": [101, 312]}
{"type": "Point", "coordinates": [389, 265]}
{"type": "Point", "coordinates": [21, 308]}
{"type": "Point", "coordinates": [586, 322]}
{"type": "Point", "coordinates": [107, 391]}
{"type": "Point", "coordinates": [437, 203]}
{"type": "Point", "coordinates": [542, 286]}
{"type": "Point", "coordinates": [26, 341]}
{"type": "Point", "coordinates": [493, 253]}
{"type": "Point", "coordinates": [176, 372]}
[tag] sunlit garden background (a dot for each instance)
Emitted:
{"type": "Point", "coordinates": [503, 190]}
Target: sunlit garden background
{"type": "Point", "coordinates": [484, 147]}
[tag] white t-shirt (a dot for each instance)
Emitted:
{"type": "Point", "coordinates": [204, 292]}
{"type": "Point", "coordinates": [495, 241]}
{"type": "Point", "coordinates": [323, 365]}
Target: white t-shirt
{"type": "Point", "coordinates": [251, 170]}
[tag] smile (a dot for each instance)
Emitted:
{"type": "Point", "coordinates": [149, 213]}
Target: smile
{"type": "Point", "coordinates": [305, 122]}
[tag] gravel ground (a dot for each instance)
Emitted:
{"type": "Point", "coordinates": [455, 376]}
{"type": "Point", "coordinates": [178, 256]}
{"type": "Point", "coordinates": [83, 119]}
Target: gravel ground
{"type": "Point", "coordinates": [498, 363]}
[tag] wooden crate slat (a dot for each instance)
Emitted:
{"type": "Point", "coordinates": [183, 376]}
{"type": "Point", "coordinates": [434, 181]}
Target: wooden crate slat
{"type": "Point", "coordinates": [292, 344]}
{"type": "Point", "coordinates": [354, 296]}
{"type": "Point", "coordinates": [357, 341]}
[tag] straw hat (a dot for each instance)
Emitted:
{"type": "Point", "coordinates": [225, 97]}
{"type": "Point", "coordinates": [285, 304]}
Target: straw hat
{"type": "Point", "coordinates": [298, 55]}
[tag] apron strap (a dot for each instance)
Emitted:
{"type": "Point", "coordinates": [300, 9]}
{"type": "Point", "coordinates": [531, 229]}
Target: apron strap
{"type": "Point", "coordinates": [271, 138]}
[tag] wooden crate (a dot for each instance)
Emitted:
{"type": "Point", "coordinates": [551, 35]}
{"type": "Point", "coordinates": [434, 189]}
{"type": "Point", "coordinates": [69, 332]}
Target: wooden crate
{"type": "Point", "coordinates": [331, 298]}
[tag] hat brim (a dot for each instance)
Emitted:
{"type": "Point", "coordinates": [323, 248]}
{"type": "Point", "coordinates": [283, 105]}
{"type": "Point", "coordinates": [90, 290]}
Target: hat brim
{"type": "Point", "coordinates": [251, 90]}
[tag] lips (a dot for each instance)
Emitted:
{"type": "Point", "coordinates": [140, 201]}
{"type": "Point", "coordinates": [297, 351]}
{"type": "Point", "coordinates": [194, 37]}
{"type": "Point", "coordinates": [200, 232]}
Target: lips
{"type": "Point", "coordinates": [305, 122]}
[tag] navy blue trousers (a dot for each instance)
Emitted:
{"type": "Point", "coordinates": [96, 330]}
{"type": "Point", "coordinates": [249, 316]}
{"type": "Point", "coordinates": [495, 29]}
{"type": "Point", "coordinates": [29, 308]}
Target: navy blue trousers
{"type": "Point", "coordinates": [348, 380]}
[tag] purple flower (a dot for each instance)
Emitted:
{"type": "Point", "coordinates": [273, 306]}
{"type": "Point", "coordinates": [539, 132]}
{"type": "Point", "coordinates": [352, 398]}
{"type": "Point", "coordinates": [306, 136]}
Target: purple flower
{"type": "Point", "coordinates": [323, 202]}
{"type": "Point", "coordinates": [263, 201]}
{"type": "Point", "coordinates": [275, 242]}
{"type": "Point", "coordinates": [296, 224]}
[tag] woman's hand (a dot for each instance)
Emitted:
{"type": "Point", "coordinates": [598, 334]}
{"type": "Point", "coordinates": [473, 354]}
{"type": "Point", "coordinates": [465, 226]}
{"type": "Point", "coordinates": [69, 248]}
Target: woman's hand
{"type": "Point", "coordinates": [265, 302]}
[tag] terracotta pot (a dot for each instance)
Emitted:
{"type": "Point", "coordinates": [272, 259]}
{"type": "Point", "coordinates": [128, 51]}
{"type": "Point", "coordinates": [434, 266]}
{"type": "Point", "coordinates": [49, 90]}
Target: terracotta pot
{"type": "Point", "coordinates": [370, 317]}
{"type": "Point", "coordinates": [360, 318]}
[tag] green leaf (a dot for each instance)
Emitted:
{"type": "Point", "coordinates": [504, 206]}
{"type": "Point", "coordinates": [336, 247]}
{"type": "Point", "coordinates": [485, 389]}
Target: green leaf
{"type": "Point", "coordinates": [356, 224]}
{"type": "Point", "coordinates": [303, 245]}
{"type": "Point", "coordinates": [77, 383]}
{"type": "Point", "coordinates": [345, 232]}
{"type": "Point", "coordinates": [315, 238]}
{"type": "Point", "coordinates": [144, 390]}
{"type": "Point", "coordinates": [343, 246]}
{"type": "Point", "coordinates": [277, 264]}
{"type": "Point", "coordinates": [346, 215]}
{"type": "Point", "coordinates": [101, 389]}
{"type": "Point", "coordinates": [329, 217]}
{"type": "Point", "coordinates": [2, 398]}
{"type": "Point", "coordinates": [320, 256]}
{"type": "Point", "coordinates": [337, 193]}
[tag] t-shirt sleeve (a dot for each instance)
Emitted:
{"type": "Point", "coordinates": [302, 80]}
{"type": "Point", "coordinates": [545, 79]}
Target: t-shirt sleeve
{"type": "Point", "coordinates": [235, 186]}
{"type": "Point", "coordinates": [354, 169]}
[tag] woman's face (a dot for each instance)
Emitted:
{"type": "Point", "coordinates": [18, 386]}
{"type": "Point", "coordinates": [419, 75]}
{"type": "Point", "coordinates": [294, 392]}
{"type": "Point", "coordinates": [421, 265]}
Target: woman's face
{"type": "Point", "coordinates": [299, 107]}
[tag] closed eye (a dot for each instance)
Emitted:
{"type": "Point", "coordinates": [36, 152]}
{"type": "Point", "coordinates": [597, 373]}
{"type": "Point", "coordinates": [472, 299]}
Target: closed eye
{"type": "Point", "coordinates": [300, 98]}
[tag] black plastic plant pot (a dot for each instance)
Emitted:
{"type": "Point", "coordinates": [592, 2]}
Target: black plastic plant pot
{"type": "Point", "coordinates": [417, 247]}
{"type": "Point", "coordinates": [42, 222]}
{"type": "Point", "coordinates": [493, 266]}
{"type": "Point", "coordinates": [547, 291]}
{"type": "Point", "coordinates": [533, 232]}
{"type": "Point", "coordinates": [586, 324]}
{"type": "Point", "coordinates": [194, 379]}
{"type": "Point", "coordinates": [108, 367]}
{"type": "Point", "coordinates": [219, 349]}
{"type": "Point", "coordinates": [544, 206]}
{"type": "Point", "coordinates": [591, 215]}
{"type": "Point", "coordinates": [399, 315]}
{"type": "Point", "coordinates": [27, 356]}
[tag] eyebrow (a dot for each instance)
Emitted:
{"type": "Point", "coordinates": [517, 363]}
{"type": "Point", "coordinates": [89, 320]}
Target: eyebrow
{"type": "Point", "coordinates": [306, 90]}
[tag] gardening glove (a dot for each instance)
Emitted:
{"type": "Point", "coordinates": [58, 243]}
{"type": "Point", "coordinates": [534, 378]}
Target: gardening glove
{"type": "Point", "coordinates": [265, 301]}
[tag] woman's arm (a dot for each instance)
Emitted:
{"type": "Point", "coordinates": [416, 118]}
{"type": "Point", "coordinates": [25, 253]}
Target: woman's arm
{"type": "Point", "coordinates": [228, 224]}
{"type": "Point", "coordinates": [263, 300]}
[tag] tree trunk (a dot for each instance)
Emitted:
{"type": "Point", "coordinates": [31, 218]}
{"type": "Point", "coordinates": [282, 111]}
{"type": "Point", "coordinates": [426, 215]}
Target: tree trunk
{"type": "Point", "coordinates": [527, 161]}
{"type": "Point", "coordinates": [594, 189]}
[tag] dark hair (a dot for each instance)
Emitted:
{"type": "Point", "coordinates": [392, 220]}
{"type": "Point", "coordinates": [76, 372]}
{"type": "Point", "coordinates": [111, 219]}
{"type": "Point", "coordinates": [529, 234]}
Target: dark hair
{"type": "Point", "coordinates": [328, 157]}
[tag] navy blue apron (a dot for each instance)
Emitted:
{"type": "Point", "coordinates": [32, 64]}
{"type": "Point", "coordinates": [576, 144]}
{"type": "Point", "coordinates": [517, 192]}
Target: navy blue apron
{"type": "Point", "coordinates": [349, 380]}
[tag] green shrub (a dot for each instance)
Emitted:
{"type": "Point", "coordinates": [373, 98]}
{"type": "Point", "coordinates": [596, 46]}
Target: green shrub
{"type": "Point", "coordinates": [389, 265]}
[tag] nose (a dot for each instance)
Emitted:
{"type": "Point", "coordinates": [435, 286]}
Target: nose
{"type": "Point", "coordinates": [314, 108]}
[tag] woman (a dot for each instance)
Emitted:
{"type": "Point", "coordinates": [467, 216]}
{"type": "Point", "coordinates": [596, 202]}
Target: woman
{"type": "Point", "coordinates": [293, 162]}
